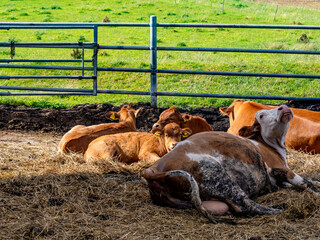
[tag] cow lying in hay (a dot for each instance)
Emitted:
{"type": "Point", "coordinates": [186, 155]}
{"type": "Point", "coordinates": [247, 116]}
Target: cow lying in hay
{"type": "Point", "coordinates": [225, 171]}
{"type": "Point", "coordinates": [304, 129]}
{"type": "Point", "coordinates": [135, 146]}
{"type": "Point", "coordinates": [194, 123]}
{"type": "Point", "coordinates": [79, 137]}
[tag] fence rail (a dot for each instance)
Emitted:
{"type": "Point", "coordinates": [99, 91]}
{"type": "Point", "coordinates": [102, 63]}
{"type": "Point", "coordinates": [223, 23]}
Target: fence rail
{"type": "Point", "coordinates": [153, 70]}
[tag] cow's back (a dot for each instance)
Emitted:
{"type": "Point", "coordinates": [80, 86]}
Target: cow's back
{"type": "Point", "coordinates": [124, 146]}
{"type": "Point", "coordinates": [304, 134]}
{"type": "Point", "coordinates": [304, 113]}
{"type": "Point", "coordinates": [195, 123]}
{"type": "Point", "coordinates": [79, 137]}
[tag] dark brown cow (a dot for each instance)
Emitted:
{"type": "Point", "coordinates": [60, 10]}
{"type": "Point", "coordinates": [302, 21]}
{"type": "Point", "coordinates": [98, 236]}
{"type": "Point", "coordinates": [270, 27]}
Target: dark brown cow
{"type": "Point", "coordinates": [225, 171]}
{"type": "Point", "coordinates": [194, 123]}
{"type": "Point", "coordinates": [79, 137]}
{"type": "Point", "coordinates": [304, 129]}
{"type": "Point", "coordinates": [135, 146]}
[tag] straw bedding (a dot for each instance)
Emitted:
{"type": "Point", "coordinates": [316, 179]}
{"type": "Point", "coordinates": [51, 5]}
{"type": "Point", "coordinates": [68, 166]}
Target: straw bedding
{"type": "Point", "coordinates": [45, 195]}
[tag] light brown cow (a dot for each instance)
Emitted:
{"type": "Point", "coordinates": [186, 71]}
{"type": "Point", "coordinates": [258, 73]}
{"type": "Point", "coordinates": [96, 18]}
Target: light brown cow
{"type": "Point", "coordinates": [195, 123]}
{"type": "Point", "coordinates": [226, 171]}
{"type": "Point", "coordinates": [135, 146]}
{"type": "Point", "coordinates": [79, 137]}
{"type": "Point", "coordinates": [304, 129]}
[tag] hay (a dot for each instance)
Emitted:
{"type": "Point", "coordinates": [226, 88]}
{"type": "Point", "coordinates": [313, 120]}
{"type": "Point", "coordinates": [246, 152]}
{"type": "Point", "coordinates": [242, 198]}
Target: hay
{"type": "Point", "coordinates": [45, 195]}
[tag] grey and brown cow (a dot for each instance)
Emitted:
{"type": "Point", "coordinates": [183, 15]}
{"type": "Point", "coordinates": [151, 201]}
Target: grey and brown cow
{"type": "Point", "coordinates": [226, 171]}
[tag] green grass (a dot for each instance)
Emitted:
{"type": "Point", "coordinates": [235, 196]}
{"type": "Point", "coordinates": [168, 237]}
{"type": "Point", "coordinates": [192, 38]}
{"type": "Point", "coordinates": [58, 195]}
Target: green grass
{"type": "Point", "coordinates": [167, 11]}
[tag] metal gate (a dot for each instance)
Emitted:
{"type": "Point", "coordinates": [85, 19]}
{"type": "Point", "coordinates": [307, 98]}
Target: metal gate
{"type": "Point", "coordinates": [153, 70]}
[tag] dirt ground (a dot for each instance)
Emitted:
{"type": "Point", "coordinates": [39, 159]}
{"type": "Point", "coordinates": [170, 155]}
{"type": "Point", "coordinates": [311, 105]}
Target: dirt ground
{"type": "Point", "coordinates": [45, 195]}
{"type": "Point", "coordinates": [14, 117]}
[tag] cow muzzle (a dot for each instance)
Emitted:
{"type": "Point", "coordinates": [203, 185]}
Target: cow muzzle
{"type": "Point", "coordinates": [285, 114]}
{"type": "Point", "coordinates": [171, 146]}
{"type": "Point", "coordinates": [156, 126]}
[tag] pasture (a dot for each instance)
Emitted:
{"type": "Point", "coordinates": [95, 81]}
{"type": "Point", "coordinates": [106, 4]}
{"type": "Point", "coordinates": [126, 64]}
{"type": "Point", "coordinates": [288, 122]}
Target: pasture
{"type": "Point", "coordinates": [168, 11]}
{"type": "Point", "coordinates": [45, 195]}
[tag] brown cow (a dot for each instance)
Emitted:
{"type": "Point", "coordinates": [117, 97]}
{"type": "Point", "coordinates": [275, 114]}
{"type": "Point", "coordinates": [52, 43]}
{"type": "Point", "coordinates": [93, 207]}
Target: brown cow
{"type": "Point", "coordinates": [304, 129]}
{"type": "Point", "coordinates": [225, 171]}
{"type": "Point", "coordinates": [194, 123]}
{"type": "Point", "coordinates": [79, 137]}
{"type": "Point", "coordinates": [135, 146]}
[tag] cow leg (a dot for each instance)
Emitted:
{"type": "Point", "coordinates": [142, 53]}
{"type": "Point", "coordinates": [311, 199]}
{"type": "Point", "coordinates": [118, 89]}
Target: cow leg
{"type": "Point", "coordinates": [102, 150]}
{"type": "Point", "coordinates": [149, 156]}
{"type": "Point", "coordinates": [314, 181]}
{"type": "Point", "coordinates": [218, 184]}
{"type": "Point", "coordinates": [303, 183]}
{"type": "Point", "coordinates": [287, 175]}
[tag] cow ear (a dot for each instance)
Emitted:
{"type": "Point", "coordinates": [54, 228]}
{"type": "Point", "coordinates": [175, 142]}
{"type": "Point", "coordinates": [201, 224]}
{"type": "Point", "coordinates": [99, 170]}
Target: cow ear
{"type": "Point", "coordinates": [186, 132]}
{"type": "Point", "coordinates": [186, 117]}
{"type": "Point", "coordinates": [113, 115]}
{"type": "Point", "coordinates": [175, 109]}
{"type": "Point", "coordinates": [137, 112]}
{"type": "Point", "coordinates": [250, 131]}
{"type": "Point", "coordinates": [156, 132]}
{"type": "Point", "coordinates": [226, 110]}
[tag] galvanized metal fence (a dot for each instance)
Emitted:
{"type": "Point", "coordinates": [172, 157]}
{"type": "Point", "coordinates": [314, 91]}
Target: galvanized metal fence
{"type": "Point", "coordinates": [153, 70]}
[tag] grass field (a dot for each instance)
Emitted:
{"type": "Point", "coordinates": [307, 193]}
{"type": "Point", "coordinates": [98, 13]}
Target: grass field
{"type": "Point", "coordinates": [167, 11]}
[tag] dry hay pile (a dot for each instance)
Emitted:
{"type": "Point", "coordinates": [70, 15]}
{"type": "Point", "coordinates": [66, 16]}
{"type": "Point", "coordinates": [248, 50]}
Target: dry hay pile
{"type": "Point", "coordinates": [44, 195]}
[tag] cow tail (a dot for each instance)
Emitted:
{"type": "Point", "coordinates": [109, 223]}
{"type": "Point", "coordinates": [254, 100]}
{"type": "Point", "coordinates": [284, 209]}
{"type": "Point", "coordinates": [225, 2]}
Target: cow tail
{"type": "Point", "coordinates": [195, 195]}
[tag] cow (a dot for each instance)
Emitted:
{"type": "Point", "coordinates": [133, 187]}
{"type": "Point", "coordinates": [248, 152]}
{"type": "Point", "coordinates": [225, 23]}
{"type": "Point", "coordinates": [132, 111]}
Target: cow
{"type": "Point", "coordinates": [135, 146]}
{"type": "Point", "coordinates": [225, 171]}
{"type": "Point", "coordinates": [304, 129]}
{"type": "Point", "coordinates": [79, 137]}
{"type": "Point", "coordinates": [195, 123]}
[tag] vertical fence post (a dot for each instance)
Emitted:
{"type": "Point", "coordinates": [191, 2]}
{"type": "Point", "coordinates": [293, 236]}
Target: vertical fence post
{"type": "Point", "coordinates": [82, 59]}
{"type": "Point", "coordinates": [153, 60]}
{"type": "Point", "coordinates": [95, 60]}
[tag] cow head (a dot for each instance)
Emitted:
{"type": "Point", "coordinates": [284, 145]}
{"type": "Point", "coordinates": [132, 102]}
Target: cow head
{"type": "Point", "coordinates": [272, 125]}
{"type": "Point", "coordinates": [172, 134]}
{"type": "Point", "coordinates": [171, 115]}
{"type": "Point", "coordinates": [126, 113]}
{"type": "Point", "coordinates": [230, 111]}
{"type": "Point", "coordinates": [186, 117]}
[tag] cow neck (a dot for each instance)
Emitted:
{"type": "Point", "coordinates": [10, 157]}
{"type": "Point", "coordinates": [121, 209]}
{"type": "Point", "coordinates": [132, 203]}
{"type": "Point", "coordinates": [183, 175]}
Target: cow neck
{"type": "Point", "coordinates": [276, 146]}
{"type": "Point", "coordinates": [232, 113]}
{"type": "Point", "coordinates": [162, 146]}
{"type": "Point", "coordinates": [131, 122]}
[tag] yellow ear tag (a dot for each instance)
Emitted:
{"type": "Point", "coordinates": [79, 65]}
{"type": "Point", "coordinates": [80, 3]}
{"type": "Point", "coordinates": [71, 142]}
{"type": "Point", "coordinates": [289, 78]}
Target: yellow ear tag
{"type": "Point", "coordinates": [185, 120]}
{"type": "Point", "coordinates": [157, 134]}
{"type": "Point", "coordinates": [113, 117]}
{"type": "Point", "coordinates": [185, 134]}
